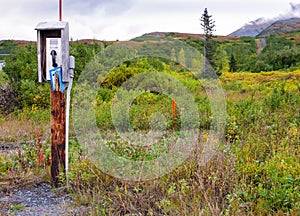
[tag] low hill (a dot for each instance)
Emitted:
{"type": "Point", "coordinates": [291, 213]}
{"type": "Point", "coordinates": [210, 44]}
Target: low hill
{"type": "Point", "coordinates": [190, 36]}
{"type": "Point", "coordinates": [6, 46]}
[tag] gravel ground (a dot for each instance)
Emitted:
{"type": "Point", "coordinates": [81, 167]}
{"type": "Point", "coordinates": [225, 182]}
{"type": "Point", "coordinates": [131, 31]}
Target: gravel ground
{"type": "Point", "coordinates": [38, 200]}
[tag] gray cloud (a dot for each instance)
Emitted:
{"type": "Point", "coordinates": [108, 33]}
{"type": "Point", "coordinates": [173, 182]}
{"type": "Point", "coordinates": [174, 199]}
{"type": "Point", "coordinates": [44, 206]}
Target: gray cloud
{"type": "Point", "coordinates": [30, 8]}
{"type": "Point", "coordinates": [295, 10]}
{"type": "Point", "coordinates": [37, 8]}
{"type": "Point", "coordinates": [156, 7]}
{"type": "Point", "coordinates": [111, 19]}
{"type": "Point", "coordinates": [110, 7]}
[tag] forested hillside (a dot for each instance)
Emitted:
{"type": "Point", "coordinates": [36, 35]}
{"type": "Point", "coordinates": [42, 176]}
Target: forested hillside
{"type": "Point", "coordinates": [233, 54]}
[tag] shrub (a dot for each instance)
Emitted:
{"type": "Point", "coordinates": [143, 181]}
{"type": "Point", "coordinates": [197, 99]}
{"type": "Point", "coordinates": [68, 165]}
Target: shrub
{"type": "Point", "coordinates": [8, 99]}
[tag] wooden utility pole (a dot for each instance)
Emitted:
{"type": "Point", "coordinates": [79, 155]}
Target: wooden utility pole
{"type": "Point", "coordinates": [58, 136]}
{"type": "Point", "coordinates": [58, 127]}
{"type": "Point", "coordinates": [54, 66]}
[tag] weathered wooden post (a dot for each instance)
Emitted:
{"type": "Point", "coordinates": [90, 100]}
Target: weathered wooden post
{"type": "Point", "coordinates": [54, 67]}
{"type": "Point", "coordinates": [58, 136]}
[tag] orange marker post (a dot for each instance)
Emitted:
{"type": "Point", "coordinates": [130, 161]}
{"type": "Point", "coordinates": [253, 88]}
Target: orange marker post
{"type": "Point", "coordinates": [173, 114]}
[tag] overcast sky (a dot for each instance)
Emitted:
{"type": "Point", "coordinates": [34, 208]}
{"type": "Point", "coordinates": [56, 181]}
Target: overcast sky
{"type": "Point", "coordinates": [127, 19]}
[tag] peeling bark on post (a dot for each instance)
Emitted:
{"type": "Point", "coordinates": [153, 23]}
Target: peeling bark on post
{"type": "Point", "coordinates": [58, 135]}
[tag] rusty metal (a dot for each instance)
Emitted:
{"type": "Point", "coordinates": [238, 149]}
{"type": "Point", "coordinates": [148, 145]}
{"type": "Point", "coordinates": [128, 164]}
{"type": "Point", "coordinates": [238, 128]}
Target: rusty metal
{"type": "Point", "coordinates": [60, 10]}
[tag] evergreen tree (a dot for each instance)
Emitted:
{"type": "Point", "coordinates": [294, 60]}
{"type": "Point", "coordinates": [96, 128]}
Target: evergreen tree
{"type": "Point", "coordinates": [232, 64]}
{"type": "Point", "coordinates": [208, 26]}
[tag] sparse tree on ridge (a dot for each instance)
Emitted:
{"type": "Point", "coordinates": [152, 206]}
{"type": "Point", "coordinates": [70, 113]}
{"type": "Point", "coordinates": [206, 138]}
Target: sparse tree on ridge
{"type": "Point", "coordinates": [208, 26]}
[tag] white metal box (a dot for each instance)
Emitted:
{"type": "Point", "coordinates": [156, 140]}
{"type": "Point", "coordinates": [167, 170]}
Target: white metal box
{"type": "Point", "coordinates": [52, 37]}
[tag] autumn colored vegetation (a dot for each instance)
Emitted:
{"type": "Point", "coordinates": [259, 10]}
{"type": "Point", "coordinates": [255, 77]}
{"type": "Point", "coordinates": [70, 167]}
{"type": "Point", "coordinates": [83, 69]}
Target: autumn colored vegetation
{"type": "Point", "coordinates": [256, 168]}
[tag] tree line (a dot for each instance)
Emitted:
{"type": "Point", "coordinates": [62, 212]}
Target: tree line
{"type": "Point", "coordinates": [280, 53]}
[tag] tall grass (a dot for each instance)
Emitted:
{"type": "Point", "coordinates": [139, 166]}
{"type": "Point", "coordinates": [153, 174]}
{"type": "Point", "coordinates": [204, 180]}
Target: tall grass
{"type": "Point", "coordinates": [255, 171]}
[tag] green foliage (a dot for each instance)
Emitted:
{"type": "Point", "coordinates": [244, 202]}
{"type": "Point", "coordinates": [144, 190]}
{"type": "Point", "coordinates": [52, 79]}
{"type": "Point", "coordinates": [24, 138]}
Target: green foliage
{"type": "Point", "coordinates": [6, 47]}
{"type": "Point", "coordinates": [5, 165]}
{"type": "Point", "coordinates": [34, 95]}
{"type": "Point", "coordinates": [128, 69]}
{"type": "Point", "coordinates": [232, 63]}
{"type": "Point", "coordinates": [83, 54]}
{"type": "Point", "coordinates": [119, 75]}
{"type": "Point", "coordinates": [21, 65]}
{"type": "Point", "coordinates": [277, 43]}
{"type": "Point", "coordinates": [32, 158]}
{"type": "Point", "coordinates": [21, 69]}
{"type": "Point", "coordinates": [260, 66]}
{"type": "Point", "coordinates": [279, 53]}
{"type": "Point", "coordinates": [243, 55]}
{"type": "Point", "coordinates": [147, 101]}
{"type": "Point", "coordinates": [221, 61]}
{"type": "Point", "coordinates": [196, 43]}
{"type": "Point", "coordinates": [286, 57]}
{"type": "Point", "coordinates": [258, 172]}
{"type": "Point", "coordinates": [3, 78]}
{"type": "Point", "coordinates": [17, 207]}
{"type": "Point", "coordinates": [265, 141]}
{"type": "Point", "coordinates": [136, 153]}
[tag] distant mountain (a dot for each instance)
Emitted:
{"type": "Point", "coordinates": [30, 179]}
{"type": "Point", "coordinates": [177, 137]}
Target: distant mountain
{"type": "Point", "coordinates": [253, 28]}
{"type": "Point", "coordinates": [281, 27]}
{"type": "Point", "coordinates": [257, 27]}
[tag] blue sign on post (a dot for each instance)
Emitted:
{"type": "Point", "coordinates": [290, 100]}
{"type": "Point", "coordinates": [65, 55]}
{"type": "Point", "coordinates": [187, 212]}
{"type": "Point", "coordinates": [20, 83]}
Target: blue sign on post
{"type": "Point", "coordinates": [56, 79]}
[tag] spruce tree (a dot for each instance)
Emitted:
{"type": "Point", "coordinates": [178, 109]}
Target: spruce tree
{"type": "Point", "coordinates": [208, 26]}
{"type": "Point", "coordinates": [232, 63]}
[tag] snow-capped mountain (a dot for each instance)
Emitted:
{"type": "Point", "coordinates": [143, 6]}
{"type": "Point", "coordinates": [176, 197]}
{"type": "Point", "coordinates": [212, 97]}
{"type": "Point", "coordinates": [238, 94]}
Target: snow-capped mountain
{"type": "Point", "coordinates": [256, 27]}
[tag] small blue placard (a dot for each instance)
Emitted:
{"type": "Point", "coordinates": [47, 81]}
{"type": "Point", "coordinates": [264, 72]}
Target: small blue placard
{"type": "Point", "coordinates": [56, 75]}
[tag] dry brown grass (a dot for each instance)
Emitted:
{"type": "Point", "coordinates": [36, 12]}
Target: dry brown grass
{"type": "Point", "coordinates": [14, 130]}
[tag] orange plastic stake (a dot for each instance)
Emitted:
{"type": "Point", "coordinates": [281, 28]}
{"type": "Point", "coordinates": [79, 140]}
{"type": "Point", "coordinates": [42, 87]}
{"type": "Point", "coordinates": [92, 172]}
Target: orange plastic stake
{"type": "Point", "coordinates": [173, 114]}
